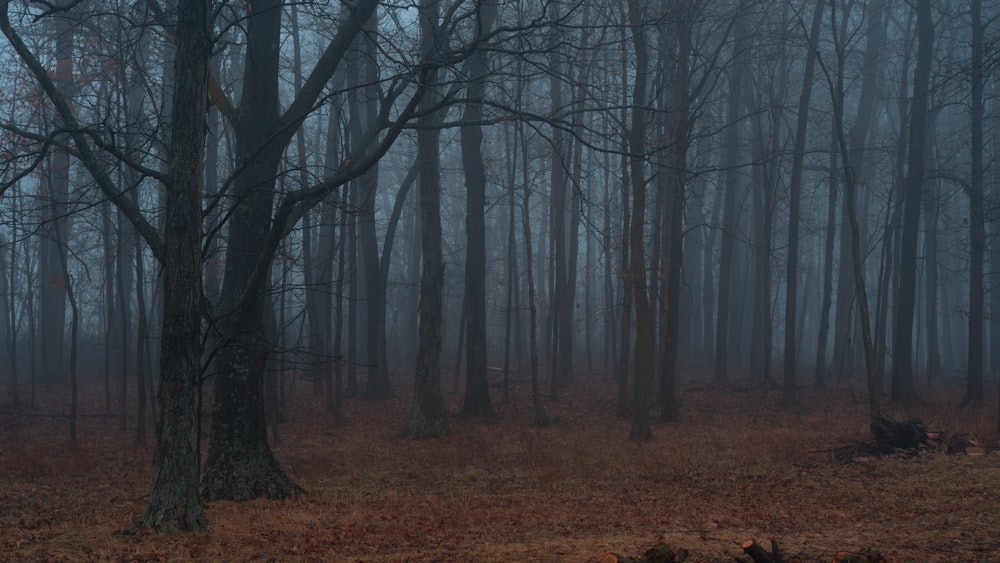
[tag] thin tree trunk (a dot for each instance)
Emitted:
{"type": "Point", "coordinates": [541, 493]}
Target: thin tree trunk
{"type": "Point", "coordinates": [792, 262]}
{"type": "Point", "coordinates": [730, 219]}
{"type": "Point", "coordinates": [428, 417]}
{"type": "Point", "coordinates": [977, 228]}
{"type": "Point", "coordinates": [541, 418]}
{"type": "Point", "coordinates": [903, 388]}
{"type": "Point", "coordinates": [645, 330]}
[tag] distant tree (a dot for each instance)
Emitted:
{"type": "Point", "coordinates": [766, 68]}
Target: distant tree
{"type": "Point", "coordinates": [798, 158]}
{"type": "Point", "coordinates": [977, 227]}
{"type": "Point", "coordinates": [644, 329]}
{"type": "Point", "coordinates": [56, 222]}
{"type": "Point", "coordinates": [903, 388]}
{"type": "Point", "coordinates": [428, 417]}
{"type": "Point", "coordinates": [477, 391]}
{"type": "Point", "coordinates": [730, 220]}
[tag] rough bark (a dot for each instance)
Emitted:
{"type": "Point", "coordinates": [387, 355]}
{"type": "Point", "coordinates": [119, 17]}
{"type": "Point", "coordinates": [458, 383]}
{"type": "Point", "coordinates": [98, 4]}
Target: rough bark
{"type": "Point", "coordinates": [174, 503]}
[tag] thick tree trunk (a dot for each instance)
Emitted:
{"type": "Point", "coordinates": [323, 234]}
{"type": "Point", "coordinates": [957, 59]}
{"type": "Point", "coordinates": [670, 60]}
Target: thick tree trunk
{"type": "Point", "coordinates": [174, 503]}
{"type": "Point", "coordinates": [240, 464]}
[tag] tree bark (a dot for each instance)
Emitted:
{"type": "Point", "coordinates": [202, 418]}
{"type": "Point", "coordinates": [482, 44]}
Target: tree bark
{"type": "Point", "coordinates": [174, 503]}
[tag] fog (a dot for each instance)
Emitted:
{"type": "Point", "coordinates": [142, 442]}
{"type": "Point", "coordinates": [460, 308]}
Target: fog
{"type": "Point", "coordinates": [454, 195]}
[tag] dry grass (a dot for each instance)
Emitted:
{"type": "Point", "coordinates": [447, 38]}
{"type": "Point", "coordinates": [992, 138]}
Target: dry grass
{"type": "Point", "coordinates": [736, 467]}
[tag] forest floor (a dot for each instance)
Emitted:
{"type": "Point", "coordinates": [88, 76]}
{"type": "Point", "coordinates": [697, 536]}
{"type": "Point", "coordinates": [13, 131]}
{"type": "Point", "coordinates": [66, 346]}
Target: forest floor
{"type": "Point", "coordinates": [737, 466]}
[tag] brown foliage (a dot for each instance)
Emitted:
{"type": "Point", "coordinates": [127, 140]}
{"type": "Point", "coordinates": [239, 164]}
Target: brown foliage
{"type": "Point", "coordinates": [734, 467]}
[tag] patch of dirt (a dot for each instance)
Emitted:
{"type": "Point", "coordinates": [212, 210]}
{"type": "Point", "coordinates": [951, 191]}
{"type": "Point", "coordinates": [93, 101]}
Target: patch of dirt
{"type": "Point", "coordinates": [736, 467]}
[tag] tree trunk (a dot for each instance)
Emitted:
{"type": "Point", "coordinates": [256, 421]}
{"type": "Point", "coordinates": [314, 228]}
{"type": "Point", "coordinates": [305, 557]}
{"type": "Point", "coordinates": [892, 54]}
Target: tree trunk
{"type": "Point", "coordinates": [792, 263]}
{"type": "Point", "coordinates": [174, 503]}
{"type": "Point", "coordinates": [56, 227]}
{"type": "Point", "coordinates": [644, 330]}
{"type": "Point", "coordinates": [6, 326]}
{"type": "Point", "coordinates": [363, 101]}
{"type": "Point", "coordinates": [903, 388]}
{"type": "Point", "coordinates": [977, 228]}
{"type": "Point", "coordinates": [850, 202]}
{"type": "Point", "coordinates": [678, 134]}
{"type": "Point", "coordinates": [477, 390]}
{"type": "Point", "coordinates": [827, 296]}
{"type": "Point", "coordinates": [730, 219]}
{"type": "Point", "coordinates": [240, 464]}
{"type": "Point", "coordinates": [428, 417]}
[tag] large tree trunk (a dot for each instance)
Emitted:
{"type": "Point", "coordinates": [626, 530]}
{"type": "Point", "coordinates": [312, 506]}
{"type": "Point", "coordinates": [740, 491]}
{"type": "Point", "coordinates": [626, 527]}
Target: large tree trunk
{"type": "Point", "coordinates": [174, 503]}
{"type": "Point", "coordinates": [240, 464]}
{"type": "Point", "coordinates": [903, 388]}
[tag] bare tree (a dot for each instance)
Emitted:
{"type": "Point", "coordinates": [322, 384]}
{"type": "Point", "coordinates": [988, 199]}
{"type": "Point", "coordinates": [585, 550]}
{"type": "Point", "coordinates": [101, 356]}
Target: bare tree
{"type": "Point", "coordinates": [428, 417]}
{"type": "Point", "coordinates": [903, 388]}
{"type": "Point", "coordinates": [477, 391]}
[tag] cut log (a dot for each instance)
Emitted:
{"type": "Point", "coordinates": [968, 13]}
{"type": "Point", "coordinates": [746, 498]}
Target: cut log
{"type": "Point", "coordinates": [756, 552]}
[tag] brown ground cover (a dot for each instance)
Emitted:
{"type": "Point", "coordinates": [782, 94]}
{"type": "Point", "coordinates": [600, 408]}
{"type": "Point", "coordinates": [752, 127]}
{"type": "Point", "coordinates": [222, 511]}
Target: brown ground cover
{"type": "Point", "coordinates": [736, 467]}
